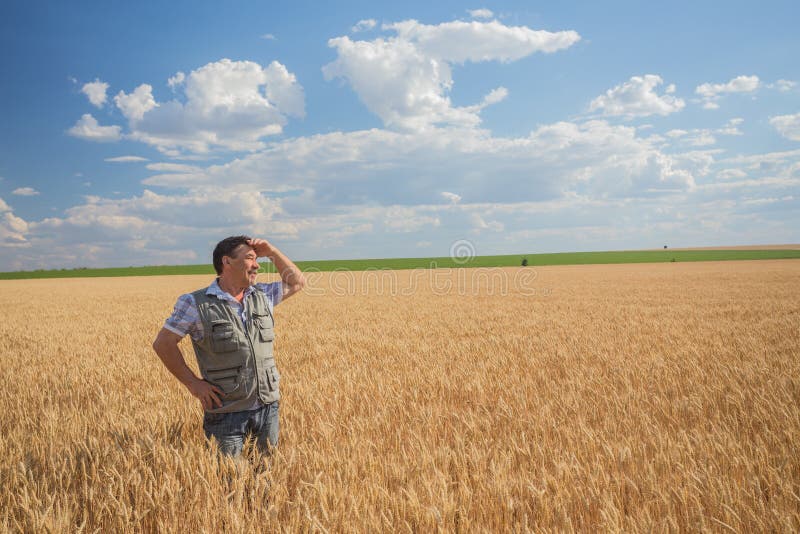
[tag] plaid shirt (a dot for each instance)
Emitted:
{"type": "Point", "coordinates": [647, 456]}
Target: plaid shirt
{"type": "Point", "coordinates": [185, 319]}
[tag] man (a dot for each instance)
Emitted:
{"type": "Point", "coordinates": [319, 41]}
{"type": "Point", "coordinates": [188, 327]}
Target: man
{"type": "Point", "coordinates": [231, 326]}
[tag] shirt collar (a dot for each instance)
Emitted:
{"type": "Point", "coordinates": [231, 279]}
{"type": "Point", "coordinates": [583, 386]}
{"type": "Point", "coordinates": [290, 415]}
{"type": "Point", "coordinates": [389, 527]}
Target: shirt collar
{"type": "Point", "coordinates": [218, 292]}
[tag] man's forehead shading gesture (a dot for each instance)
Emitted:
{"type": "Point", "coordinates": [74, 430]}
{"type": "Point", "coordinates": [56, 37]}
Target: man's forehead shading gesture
{"type": "Point", "coordinates": [231, 325]}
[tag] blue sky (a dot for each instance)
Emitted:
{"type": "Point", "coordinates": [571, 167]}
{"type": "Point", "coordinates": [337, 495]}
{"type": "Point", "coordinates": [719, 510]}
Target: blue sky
{"type": "Point", "coordinates": [142, 133]}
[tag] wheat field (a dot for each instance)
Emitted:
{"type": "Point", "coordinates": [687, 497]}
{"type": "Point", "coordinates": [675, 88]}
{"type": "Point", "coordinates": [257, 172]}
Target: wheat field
{"type": "Point", "coordinates": [616, 398]}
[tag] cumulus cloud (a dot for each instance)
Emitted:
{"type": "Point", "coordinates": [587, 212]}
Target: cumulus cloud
{"type": "Point", "coordinates": [787, 125]}
{"type": "Point", "coordinates": [25, 192]}
{"type": "Point", "coordinates": [88, 128]}
{"type": "Point", "coordinates": [637, 98]}
{"type": "Point", "coordinates": [126, 159]}
{"type": "Point", "coordinates": [176, 81]}
{"type": "Point", "coordinates": [710, 93]}
{"type": "Point", "coordinates": [405, 79]}
{"type": "Point", "coordinates": [481, 13]}
{"type": "Point", "coordinates": [136, 104]}
{"type": "Point", "coordinates": [363, 25]}
{"type": "Point", "coordinates": [371, 191]}
{"type": "Point", "coordinates": [338, 167]}
{"type": "Point", "coordinates": [96, 92]}
{"type": "Point", "coordinates": [228, 104]}
{"type": "Point", "coordinates": [268, 37]}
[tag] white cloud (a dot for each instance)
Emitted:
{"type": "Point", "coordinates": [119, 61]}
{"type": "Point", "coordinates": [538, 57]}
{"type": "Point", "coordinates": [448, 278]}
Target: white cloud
{"type": "Point", "coordinates": [176, 81]}
{"type": "Point", "coordinates": [12, 228]}
{"type": "Point", "coordinates": [784, 86]}
{"type": "Point", "coordinates": [481, 13]}
{"type": "Point", "coordinates": [385, 167]}
{"type": "Point", "coordinates": [405, 79]}
{"type": "Point", "coordinates": [406, 219]}
{"type": "Point", "coordinates": [363, 25]}
{"type": "Point", "coordinates": [731, 174]}
{"type": "Point", "coordinates": [126, 159]}
{"type": "Point", "coordinates": [787, 125]}
{"type": "Point", "coordinates": [25, 192]}
{"type": "Point", "coordinates": [87, 128]}
{"type": "Point", "coordinates": [268, 37]}
{"type": "Point", "coordinates": [479, 224]}
{"type": "Point", "coordinates": [451, 197]}
{"type": "Point", "coordinates": [711, 92]}
{"type": "Point", "coordinates": [731, 127]}
{"type": "Point", "coordinates": [459, 41]}
{"type": "Point", "coordinates": [229, 104]}
{"type": "Point", "coordinates": [740, 84]}
{"type": "Point", "coordinates": [637, 98]}
{"type": "Point", "coordinates": [136, 104]}
{"type": "Point", "coordinates": [96, 92]}
{"type": "Point", "coordinates": [172, 167]}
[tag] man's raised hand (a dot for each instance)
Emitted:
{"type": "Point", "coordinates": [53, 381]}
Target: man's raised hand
{"type": "Point", "coordinates": [261, 247]}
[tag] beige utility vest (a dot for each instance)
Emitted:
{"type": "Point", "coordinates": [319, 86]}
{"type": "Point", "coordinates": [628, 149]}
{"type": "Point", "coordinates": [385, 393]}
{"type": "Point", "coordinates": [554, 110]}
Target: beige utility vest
{"type": "Point", "coordinates": [238, 360]}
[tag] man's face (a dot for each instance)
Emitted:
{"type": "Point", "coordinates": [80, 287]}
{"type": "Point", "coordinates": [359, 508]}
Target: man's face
{"type": "Point", "coordinates": [244, 265]}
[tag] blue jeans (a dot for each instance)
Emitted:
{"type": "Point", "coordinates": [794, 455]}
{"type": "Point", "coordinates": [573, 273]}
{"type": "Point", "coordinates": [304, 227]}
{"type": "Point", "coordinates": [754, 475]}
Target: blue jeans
{"type": "Point", "coordinates": [231, 429]}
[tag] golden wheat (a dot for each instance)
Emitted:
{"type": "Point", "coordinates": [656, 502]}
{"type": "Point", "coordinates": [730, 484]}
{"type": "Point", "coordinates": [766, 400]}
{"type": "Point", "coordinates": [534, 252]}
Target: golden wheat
{"type": "Point", "coordinates": [636, 398]}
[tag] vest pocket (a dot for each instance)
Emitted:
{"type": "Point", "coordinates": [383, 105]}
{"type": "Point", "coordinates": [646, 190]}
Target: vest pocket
{"type": "Point", "coordinates": [222, 337]}
{"type": "Point", "coordinates": [274, 374]}
{"type": "Point", "coordinates": [265, 327]}
{"type": "Point", "coordinates": [228, 380]}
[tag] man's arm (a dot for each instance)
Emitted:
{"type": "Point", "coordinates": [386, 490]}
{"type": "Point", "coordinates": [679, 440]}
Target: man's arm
{"type": "Point", "coordinates": [293, 280]}
{"type": "Point", "coordinates": [166, 346]}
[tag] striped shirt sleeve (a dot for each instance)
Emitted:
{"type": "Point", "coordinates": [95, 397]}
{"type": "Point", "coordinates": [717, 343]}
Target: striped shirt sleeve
{"type": "Point", "coordinates": [273, 291]}
{"type": "Point", "coordinates": [185, 319]}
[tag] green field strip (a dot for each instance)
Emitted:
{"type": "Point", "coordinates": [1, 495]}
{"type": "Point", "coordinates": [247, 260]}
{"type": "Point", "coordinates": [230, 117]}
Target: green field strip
{"type": "Point", "coordinates": [511, 260]}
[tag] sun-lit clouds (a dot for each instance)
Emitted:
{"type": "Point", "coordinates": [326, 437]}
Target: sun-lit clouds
{"type": "Point", "coordinates": [787, 125]}
{"type": "Point", "coordinates": [405, 79]}
{"type": "Point", "coordinates": [380, 167]}
{"type": "Point", "coordinates": [432, 172]}
{"type": "Point", "coordinates": [363, 25]}
{"type": "Point", "coordinates": [96, 92]}
{"type": "Point", "coordinates": [126, 159]}
{"type": "Point", "coordinates": [481, 13]}
{"type": "Point", "coordinates": [638, 98]}
{"type": "Point", "coordinates": [25, 192]}
{"type": "Point", "coordinates": [711, 92]}
{"type": "Point", "coordinates": [268, 37]}
{"type": "Point", "coordinates": [88, 128]}
{"type": "Point", "coordinates": [228, 104]}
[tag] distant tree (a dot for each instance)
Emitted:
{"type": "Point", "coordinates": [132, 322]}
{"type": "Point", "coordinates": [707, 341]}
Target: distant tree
{"type": "Point", "coordinates": [665, 247]}
{"type": "Point", "coordinates": [524, 262]}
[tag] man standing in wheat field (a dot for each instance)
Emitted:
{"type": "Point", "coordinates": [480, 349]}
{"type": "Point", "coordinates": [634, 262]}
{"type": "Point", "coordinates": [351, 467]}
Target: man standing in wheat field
{"type": "Point", "coordinates": [231, 325]}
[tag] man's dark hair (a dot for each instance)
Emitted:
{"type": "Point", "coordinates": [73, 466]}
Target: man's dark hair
{"type": "Point", "coordinates": [226, 248]}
